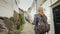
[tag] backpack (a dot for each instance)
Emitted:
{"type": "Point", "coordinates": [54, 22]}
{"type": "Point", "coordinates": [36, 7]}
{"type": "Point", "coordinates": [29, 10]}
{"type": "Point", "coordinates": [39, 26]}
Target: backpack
{"type": "Point", "coordinates": [44, 26]}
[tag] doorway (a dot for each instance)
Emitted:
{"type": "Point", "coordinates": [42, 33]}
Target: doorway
{"type": "Point", "coordinates": [56, 17]}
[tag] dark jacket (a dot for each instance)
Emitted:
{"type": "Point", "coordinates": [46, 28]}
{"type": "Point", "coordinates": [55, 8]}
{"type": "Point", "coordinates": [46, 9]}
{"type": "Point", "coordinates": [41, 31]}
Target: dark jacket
{"type": "Point", "coordinates": [39, 19]}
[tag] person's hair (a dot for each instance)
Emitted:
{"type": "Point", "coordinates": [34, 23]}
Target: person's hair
{"type": "Point", "coordinates": [40, 8]}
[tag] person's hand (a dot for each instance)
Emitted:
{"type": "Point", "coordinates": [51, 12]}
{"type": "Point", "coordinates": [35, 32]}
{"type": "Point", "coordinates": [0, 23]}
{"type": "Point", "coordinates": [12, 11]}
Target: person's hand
{"type": "Point", "coordinates": [33, 23]}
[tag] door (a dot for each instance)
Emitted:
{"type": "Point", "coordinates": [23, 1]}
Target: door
{"type": "Point", "coordinates": [56, 16]}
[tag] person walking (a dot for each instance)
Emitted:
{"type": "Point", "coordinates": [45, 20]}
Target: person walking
{"type": "Point", "coordinates": [40, 22]}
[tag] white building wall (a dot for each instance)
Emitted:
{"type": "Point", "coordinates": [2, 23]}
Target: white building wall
{"type": "Point", "coordinates": [15, 6]}
{"type": "Point", "coordinates": [47, 11]}
{"type": "Point", "coordinates": [53, 1]}
{"type": "Point", "coordinates": [32, 14]}
{"type": "Point", "coordinates": [7, 7]}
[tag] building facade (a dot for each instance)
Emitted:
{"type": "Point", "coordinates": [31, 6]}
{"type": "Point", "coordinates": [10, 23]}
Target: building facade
{"type": "Point", "coordinates": [7, 7]}
{"type": "Point", "coordinates": [55, 13]}
{"type": "Point", "coordinates": [50, 12]}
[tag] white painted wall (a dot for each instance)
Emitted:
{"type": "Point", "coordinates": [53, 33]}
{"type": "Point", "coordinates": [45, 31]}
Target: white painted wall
{"type": "Point", "coordinates": [15, 6]}
{"type": "Point", "coordinates": [47, 11]}
{"type": "Point", "coordinates": [32, 13]}
{"type": "Point", "coordinates": [53, 1]}
{"type": "Point", "coordinates": [7, 7]}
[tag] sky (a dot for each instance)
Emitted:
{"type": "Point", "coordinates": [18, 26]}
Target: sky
{"type": "Point", "coordinates": [25, 4]}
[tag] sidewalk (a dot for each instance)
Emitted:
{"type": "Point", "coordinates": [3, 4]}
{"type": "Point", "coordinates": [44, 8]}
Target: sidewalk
{"type": "Point", "coordinates": [28, 28]}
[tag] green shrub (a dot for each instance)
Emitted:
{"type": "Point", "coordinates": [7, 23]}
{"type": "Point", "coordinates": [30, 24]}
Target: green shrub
{"type": "Point", "coordinates": [11, 32]}
{"type": "Point", "coordinates": [17, 32]}
{"type": "Point", "coordinates": [20, 24]}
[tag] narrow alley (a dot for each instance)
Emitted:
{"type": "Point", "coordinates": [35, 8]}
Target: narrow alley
{"type": "Point", "coordinates": [20, 16]}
